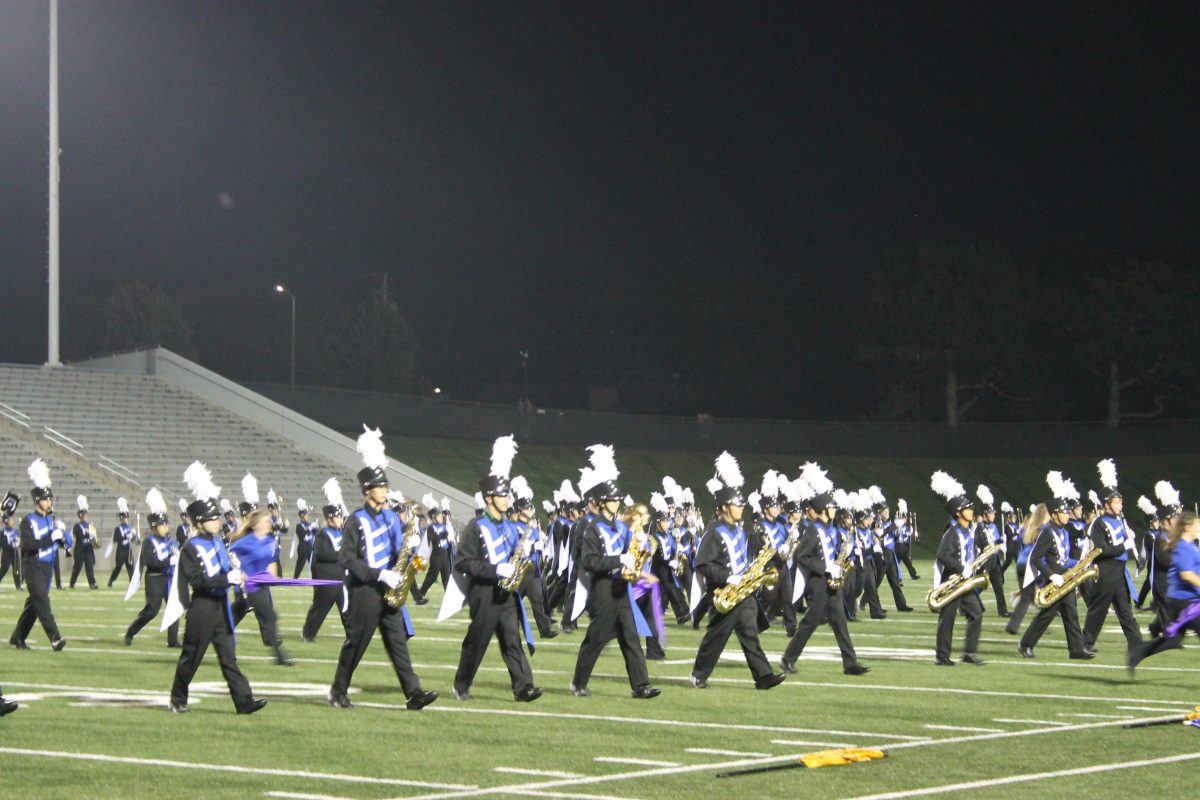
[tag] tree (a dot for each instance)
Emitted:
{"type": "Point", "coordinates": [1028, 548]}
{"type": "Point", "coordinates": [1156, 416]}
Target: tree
{"type": "Point", "coordinates": [946, 321]}
{"type": "Point", "coordinates": [140, 316]}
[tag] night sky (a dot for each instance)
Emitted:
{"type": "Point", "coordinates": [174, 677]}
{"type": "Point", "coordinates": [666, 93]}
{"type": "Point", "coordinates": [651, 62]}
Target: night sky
{"type": "Point", "coordinates": [508, 163]}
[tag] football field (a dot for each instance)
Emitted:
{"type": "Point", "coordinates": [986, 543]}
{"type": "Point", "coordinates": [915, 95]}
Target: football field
{"type": "Point", "coordinates": [93, 719]}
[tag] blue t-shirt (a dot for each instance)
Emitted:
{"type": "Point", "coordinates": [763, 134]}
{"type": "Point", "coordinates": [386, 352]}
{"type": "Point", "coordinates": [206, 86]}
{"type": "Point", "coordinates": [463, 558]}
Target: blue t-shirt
{"type": "Point", "coordinates": [1185, 558]}
{"type": "Point", "coordinates": [254, 554]}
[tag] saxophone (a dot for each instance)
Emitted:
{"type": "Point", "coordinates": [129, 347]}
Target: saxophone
{"type": "Point", "coordinates": [680, 558]}
{"type": "Point", "coordinates": [521, 560]}
{"type": "Point", "coordinates": [956, 586]}
{"type": "Point", "coordinates": [757, 576]}
{"type": "Point", "coordinates": [845, 560]}
{"type": "Point", "coordinates": [408, 564]}
{"type": "Point", "coordinates": [637, 519]}
{"type": "Point", "coordinates": [1077, 575]}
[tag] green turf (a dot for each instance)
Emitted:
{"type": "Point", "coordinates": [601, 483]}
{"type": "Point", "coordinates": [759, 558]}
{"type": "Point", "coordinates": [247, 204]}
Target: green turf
{"type": "Point", "coordinates": [99, 697]}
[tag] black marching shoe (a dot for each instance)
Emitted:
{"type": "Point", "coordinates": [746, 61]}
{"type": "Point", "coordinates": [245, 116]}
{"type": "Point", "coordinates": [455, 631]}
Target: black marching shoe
{"type": "Point", "coordinates": [528, 694]}
{"type": "Point", "coordinates": [58, 644]}
{"type": "Point", "coordinates": [944, 662]}
{"type": "Point", "coordinates": [1005, 614]}
{"type": "Point", "coordinates": [422, 601]}
{"type": "Point", "coordinates": [340, 701]}
{"type": "Point", "coordinates": [7, 707]}
{"type": "Point", "coordinates": [788, 667]}
{"type": "Point", "coordinates": [1084, 655]}
{"type": "Point", "coordinates": [905, 609]}
{"type": "Point", "coordinates": [252, 706]}
{"type": "Point", "coordinates": [178, 708]}
{"type": "Point", "coordinates": [282, 658]}
{"type": "Point", "coordinates": [550, 634]}
{"type": "Point", "coordinates": [1026, 652]}
{"type": "Point", "coordinates": [462, 694]}
{"type": "Point", "coordinates": [419, 699]}
{"type": "Point", "coordinates": [645, 692]}
{"type": "Point", "coordinates": [698, 682]}
{"type": "Point", "coordinates": [128, 640]}
{"type": "Point", "coordinates": [770, 681]}
{"type": "Point", "coordinates": [175, 645]}
{"type": "Point", "coordinates": [856, 669]}
{"type": "Point", "coordinates": [18, 643]}
{"type": "Point", "coordinates": [580, 691]}
{"type": "Point", "coordinates": [972, 658]}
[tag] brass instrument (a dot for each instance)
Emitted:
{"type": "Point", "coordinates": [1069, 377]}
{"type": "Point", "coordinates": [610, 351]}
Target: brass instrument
{"type": "Point", "coordinates": [521, 560]}
{"type": "Point", "coordinates": [408, 564]}
{"type": "Point", "coordinates": [956, 586]}
{"type": "Point", "coordinates": [638, 538]}
{"type": "Point", "coordinates": [680, 557]}
{"type": "Point", "coordinates": [1077, 575]}
{"type": "Point", "coordinates": [757, 576]}
{"type": "Point", "coordinates": [845, 560]}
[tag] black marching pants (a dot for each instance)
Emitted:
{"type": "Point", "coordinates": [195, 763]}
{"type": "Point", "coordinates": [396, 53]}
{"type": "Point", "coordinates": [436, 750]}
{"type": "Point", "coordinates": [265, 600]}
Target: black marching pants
{"type": "Point", "coordinates": [1064, 608]}
{"type": "Point", "coordinates": [493, 612]}
{"type": "Point", "coordinates": [368, 612]}
{"type": "Point", "coordinates": [156, 593]}
{"type": "Point", "coordinates": [972, 609]}
{"type": "Point", "coordinates": [208, 623]}
{"type": "Point", "coordinates": [612, 618]}
{"type": "Point", "coordinates": [743, 621]}
{"type": "Point", "coordinates": [37, 606]}
{"type": "Point", "coordinates": [823, 606]}
{"type": "Point", "coordinates": [1111, 589]}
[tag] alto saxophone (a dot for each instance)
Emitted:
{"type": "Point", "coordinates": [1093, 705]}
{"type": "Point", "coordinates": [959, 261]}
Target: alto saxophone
{"type": "Point", "coordinates": [845, 561]}
{"type": "Point", "coordinates": [1081, 573]}
{"type": "Point", "coordinates": [680, 559]}
{"type": "Point", "coordinates": [408, 564]}
{"type": "Point", "coordinates": [757, 576]}
{"type": "Point", "coordinates": [521, 560]}
{"type": "Point", "coordinates": [956, 586]}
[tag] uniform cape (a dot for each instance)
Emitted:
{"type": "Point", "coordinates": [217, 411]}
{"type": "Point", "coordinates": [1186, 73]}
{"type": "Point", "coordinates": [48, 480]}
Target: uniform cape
{"type": "Point", "coordinates": [136, 581]}
{"type": "Point", "coordinates": [174, 608]}
{"type": "Point", "coordinates": [108, 549]}
{"type": "Point", "coordinates": [295, 543]}
{"type": "Point", "coordinates": [582, 588]}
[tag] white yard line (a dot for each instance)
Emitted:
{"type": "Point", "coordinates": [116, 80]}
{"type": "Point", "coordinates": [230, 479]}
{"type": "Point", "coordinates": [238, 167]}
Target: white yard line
{"type": "Point", "coordinates": [300, 796]}
{"type": "Point", "coordinates": [962, 729]}
{"type": "Point", "coordinates": [545, 773]}
{"type": "Point", "coordinates": [708, 751]}
{"type": "Point", "coordinates": [808, 743]}
{"type": "Point", "coordinates": [575, 796]}
{"type": "Point", "coordinates": [637, 762]}
{"type": "Point", "coordinates": [1030, 721]}
{"type": "Point", "coordinates": [1187, 710]}
{"type": "Point", "coordinates": [1028, 777]}
{"type": "Point", "coordinates": [1100, 716]}
{"type": "Point", "coordinates": [239, 768]}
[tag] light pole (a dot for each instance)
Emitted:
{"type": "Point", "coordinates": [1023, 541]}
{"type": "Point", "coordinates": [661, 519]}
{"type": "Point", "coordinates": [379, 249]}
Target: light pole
{"type": "Point", "coordinates": [279, 288]}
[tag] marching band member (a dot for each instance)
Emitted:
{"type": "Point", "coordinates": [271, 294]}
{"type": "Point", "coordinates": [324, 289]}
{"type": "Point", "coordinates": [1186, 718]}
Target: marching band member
{"type": "Point", "coordinates": [123, 539]}
{"type": "Point", "coordinates": [1030, 529]}
{"type": "Point", "coordinates": [886, 563]}
{"type": "Point", "coordinates": [202, 581]}
{"type": "Point", "coordinates": [484, 547]}
{"type": "Point", "coordinates": [906, 534]}
{"type": "Point", "coordinates": [85, 545]}
{"type": "Point", "coordinates": [253, 545]}
{"type": "Point", "coordinates": [372, 540]}
{"type": "Point", "coordinates": [327, 546]}
{"type": "Point", "coordinates": [722, 560]}
{"type": "Point", "coordinates": [279, 527]}
{"type": "Point", "coordinates": [41, 535]}
{"type": "Point", "coordinates": [861, 523]}
{"type": "Point", "coordinates": [589, 511]}
{"type": "Point", "coordinates": [1169, 508]}
{"type": "Point", "coordinates": [10, 539]}
{"type": "Point", "coordinates": [1148, 545]}
{"type": "Point", "coordinates": [184, 530]}
{"type": "Point", "coordinates": [665, 562]}
{"type": "Point", "coordinates": [991, 534]}
{"type": "Point", "coordinates": [608, 548]}
{"type": "Point", "coordinates": [157, 558]}
{"type": "Point", "coordinates": [306, 534]}
{"type": "Point", "coordinates": [775, 534]}
{"type": "Point", "coordinates": [1183, 589]}
{"type": "Point", "coordinates": [1114, 540]}
{"type": "Point", "coordinates": [954, 555]}
{"type": "Point", "coordinates": [1050, 558]}
{"type": "Point", "coordinates": [522, 514]}
{"type": "Point", "coordinates": [817, 556]}
{"type": "Point", "coordinates": [438, 536]}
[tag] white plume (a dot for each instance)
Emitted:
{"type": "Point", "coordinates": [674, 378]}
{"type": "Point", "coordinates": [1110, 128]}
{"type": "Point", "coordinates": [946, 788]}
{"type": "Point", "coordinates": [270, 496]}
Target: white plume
{"type": "Point", "coordinates": [985, 495]}
{"type": "Point", "coordinates": [504, 450]}
{"type": "Point", "coordinates": [250, 489]}
{"type": "Point", "coordinates": [370, 447]}
{"type": "Point", "coordinates": [1071, 492]}
{"type": "Point", "coordinates": [793, 491]}
{"type": "Point", "coordinates": [770, 483]}
{"type": "Point", "coordinates": [155, 501]}
{"type": "Point", "coordinates": [713, 485]}
{"type": "Point", "coordinates": [1095, 498]}
{"type": "Point", "coordinates": [812, 474]}
{"type": "Point", "coordinates": [1167, 494]}
{"type": "Point", "coordinates": [81, 503]}
{"type": "Point", "coordinates": [122, 505]}
{"type": "Point", "coordinates": [445, 503]}
{"type": "Point", "coordinates": [1032, 507]}
{"type": "Point", "coordinates": [1054, 479]}
{"type": "Point", "coordinates": [842, 500]}
{"type": "Point", "coordinates": [658, 502]}
{"type": "Point", "coordinates": [333, 493]}
{"type": "Point", "coordinates": [548, 507]}
{"type": "Point", "coordinates": [1006, 507]}
{"type": "Point", "coordinates": [301, 504]}
{"type": "Point", "coordinates": [728, 471]}
{"type": "Point", "coordinates": [200, 482]}
{"type": "Point", "coordinates": [272, 498]}
{"type": "Point", "coordinates": [567, 492]}
{"type": "Point", "coordinates": [902, 507]}
{"type": "Point", "coordinates": [183, 505]}
{"type": "Point", "coordinates": [1108, 473]}
{"type": "Point", "coordinates": [428, 501]}
{"type": "Point", "coordinates": [520, 488]}
{"type": "Point", "coordinates": [226, 506]}
{"type": "Point", "coordinates": [864, 500]}
{"type": "Point", "coordinates": [603, 462]}
{"type": "Point", "coordinates": [945, 485]}
{"type": "Point", "coordinates": [39, 473]}
{"type": "Point", "coordinates": [629, 501]}
{"type": "Point", "coordinates": [587, 479]}
{"type": "Point", "coordinates": [877, 497]}
{"type": "Point", "coordinates": [395, 496]}
{"type": "Point", "coordinates": [689, 497]}
{"type": "Point", "coordinates": [671, 487]}
{"type": "Point", "coordinates": [755, 500]}
{"type": "Point", "coordinates": [1146, 506]}
{"type": "Point", "coordinates": [479, 499]}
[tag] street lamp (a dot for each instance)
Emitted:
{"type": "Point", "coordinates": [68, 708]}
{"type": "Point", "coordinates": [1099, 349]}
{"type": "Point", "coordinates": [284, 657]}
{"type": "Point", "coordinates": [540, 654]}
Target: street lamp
{"type": "Point", "coordinates": [279, 288]}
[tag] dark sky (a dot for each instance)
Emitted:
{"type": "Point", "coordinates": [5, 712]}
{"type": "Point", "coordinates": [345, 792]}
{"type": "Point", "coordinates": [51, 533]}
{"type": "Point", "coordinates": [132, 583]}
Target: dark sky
{"type": "Point", "coordinates": [656, 154]}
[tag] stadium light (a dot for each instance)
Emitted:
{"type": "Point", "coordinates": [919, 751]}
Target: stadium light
{"type": "Point", "coordinates": [279, 288]}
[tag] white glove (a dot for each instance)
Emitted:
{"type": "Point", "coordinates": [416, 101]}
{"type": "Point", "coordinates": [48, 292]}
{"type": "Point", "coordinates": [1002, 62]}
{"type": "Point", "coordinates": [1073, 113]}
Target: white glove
{"type": "Point", "coordinates": [640, 538]}
{"type": "Point", "coordinates": [390, 578]}
{"type": "Point", "coordinates": [236, 577]}
{"type": "Point", "coordinates": [627, 560]}
{"type": "Point", "coordinates": [674, 563]}
{"type": "Point", "coordinates": [539, 545]}
{"type": "Point", "coordinates": [56, 535]}
{"type": "Point", "coordinates": [505, 570]}
{"type": "Point", "coordinates": [1129, 544]}
{"type": "Point", "coordinates": [733, 580]}
{"type": "Point", "coordinates": [414, 541]}
{"type": "Point", "coordinates": [174, 559]}
{"type": "Point", "coordinates": [58, 523]}
{"type": "Point", "coordinates": [1057, 580]}
{"type": "Point", "coordinates": [835, 571]}
{"type": "Point", "coordinates": [968, 573]}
